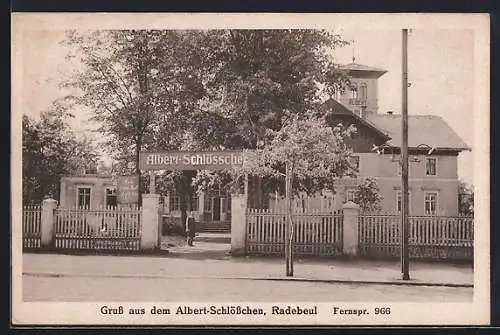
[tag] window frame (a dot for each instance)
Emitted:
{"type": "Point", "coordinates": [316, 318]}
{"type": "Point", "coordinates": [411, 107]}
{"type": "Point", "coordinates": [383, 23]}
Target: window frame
{"type": "Point", "coordinates": [436, 206]}
{"type": "Point", "coordinates": [354, 91]}
{"type": "Point", "coordinates": [77, 198]}
{"type": "Point", "coordinates": [363, 88]}
{"type": "Point", "coordinates": [399, 201]}
{"type": "Point", "coordinates": [357, 167]}
{"type": "Point", "coordinates": [174, 199]}
{"type": "Point", "coordinates": [350, 191]}
{"type": "Point", "coordinates": [427, 159]}
{"type": "Point", "coordinates": [113, 189]}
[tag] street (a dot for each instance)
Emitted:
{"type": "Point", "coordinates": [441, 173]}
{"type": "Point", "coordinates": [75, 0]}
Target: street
{"type": "Point", "coordinates": [202, 276]}
{"type": "Point", "coordinates": [88, 289]}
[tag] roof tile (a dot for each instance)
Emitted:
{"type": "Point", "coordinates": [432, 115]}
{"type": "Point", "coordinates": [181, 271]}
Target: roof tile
{"type": "Point", "coordinates": [422, 129]}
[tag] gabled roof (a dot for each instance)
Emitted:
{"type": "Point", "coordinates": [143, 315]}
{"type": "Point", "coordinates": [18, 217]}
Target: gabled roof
{"type": "Point", "coordinates": [366, 70]}
{"type": "Point", "coordinates": [334, 107]}
{"type": "Point", "coordinates": [422, 129]}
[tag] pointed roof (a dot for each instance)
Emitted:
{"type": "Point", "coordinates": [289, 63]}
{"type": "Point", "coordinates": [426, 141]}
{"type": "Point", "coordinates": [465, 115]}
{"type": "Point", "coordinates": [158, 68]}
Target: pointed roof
{"type": "Point", "coordinates": [422, 129]}
{"type": "Point", "coordinates": [356, 69]}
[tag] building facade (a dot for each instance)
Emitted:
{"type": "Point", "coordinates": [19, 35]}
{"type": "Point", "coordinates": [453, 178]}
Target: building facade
{"type": "Point", "coordinates": [433, 179]}
{"type": "Point", "coordinates": [433, 151]}
{"type": "Point", "coordinates": [92, 191]}
{"type": "Point", "coordinates": [88, 191]}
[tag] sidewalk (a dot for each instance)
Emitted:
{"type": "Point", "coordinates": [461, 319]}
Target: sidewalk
{"type": "Point", "coordinates": [253, 268]}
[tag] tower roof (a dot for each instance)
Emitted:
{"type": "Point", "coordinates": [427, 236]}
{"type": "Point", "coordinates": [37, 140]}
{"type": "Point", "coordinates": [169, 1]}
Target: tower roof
{"type": "Point", "coordinates": [359, 70]}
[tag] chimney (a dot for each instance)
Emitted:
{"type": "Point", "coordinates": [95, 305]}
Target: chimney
{"type": "Point", "coordinates": [390, 112]}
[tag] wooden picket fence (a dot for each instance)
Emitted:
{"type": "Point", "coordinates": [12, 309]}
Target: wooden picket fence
{"type": "Point", "coordinates": [114, 229]}
{"type": "Point", "coordinates": [32, 227]}
{"type": "Point", "coordinates": [430, 237]}
{"type": "Point", "coordinates": [315, 233]}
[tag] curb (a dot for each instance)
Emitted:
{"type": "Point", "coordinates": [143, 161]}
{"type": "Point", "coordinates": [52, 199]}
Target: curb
{"type": "Point", "coordinates": [397, 282]}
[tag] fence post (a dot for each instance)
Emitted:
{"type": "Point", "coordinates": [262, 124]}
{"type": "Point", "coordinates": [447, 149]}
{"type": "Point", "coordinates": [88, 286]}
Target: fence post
{"type": "Point", "coordinates": [47, 222]}
{"type": "Point", "coordinates": [149, 224]}
{"type": "Point", "coordinates": [350, 228]}
{"type": "Point", "coordinates": [238, 224]}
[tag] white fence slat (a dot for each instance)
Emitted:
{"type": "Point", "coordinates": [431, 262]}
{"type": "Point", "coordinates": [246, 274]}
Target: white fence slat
{"type": "Point", "coordinates": [429, 236]}
{"type": "Point", "coordinates": [103, 228]}
{"type": "Point", "coordinates": [315, 233]}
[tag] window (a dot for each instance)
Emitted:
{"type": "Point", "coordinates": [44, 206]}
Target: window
{"type": "Point", "coordinates": [430, 203]}
{"type": "Point", "coordinates": [430, 166]}
{"type": "Point", "coordinates": [351, 195]}
{"type": "Point", "coordinates": [83, 199]}
{"type": "Point", "coordinates": [194, 203]}
{"type": "Point", "coordinates": [111, 199]}
{"type": "Point", "coordinates": [354, 91]}
{"type": "Point", "coordinates": [399, 199]}
{"type": "Point", "coordinates": [363, 91]}
{"type": "Point", "coordinates": [354, 162]}
{"type": "Point", "coordinates": [174, 203]}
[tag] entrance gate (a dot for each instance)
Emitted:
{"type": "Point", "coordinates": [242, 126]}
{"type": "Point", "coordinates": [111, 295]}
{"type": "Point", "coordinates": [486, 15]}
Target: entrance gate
{"type": "Point", "coordinates": [214, 211]}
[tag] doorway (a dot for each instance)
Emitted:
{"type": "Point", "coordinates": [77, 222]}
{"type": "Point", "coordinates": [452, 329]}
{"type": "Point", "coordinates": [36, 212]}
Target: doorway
{"type": "Point", "coordinates": [216, 209]}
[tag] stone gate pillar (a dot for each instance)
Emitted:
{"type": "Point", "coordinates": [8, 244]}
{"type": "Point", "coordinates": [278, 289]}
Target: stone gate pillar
{"type": "Point", "coordinates": [149, 224]}
{"type": "Point", "coordinates": [238, 224]}
{"type": "Point", "coordinates": [350, 228]}
{"type": "Point", "coordinates": [47, 222]}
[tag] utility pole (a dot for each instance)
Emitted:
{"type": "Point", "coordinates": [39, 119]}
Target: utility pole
{"type": "Point", "coordinates": [289, 223]}
{"type": "Point", "coordinates": [404, 164]}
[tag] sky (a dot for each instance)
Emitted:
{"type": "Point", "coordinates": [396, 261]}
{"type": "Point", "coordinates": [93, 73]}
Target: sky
{"type": "Point", "coordinates": [440, 70]}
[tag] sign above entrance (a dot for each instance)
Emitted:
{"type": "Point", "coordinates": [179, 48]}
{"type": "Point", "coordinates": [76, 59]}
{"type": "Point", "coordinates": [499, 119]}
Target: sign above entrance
{"type": "Point", "coordinates": [189, 160]}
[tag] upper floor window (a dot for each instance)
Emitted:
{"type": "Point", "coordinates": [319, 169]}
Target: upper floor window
{"type": "Point", "coordinates": [354, 91]}
{"type": "Point", "coordinates": [430, 203]}
{"type": "Point", "coordinates": [111, 198]}
{"type": "Point", "coordinates": [83, 198]}
{"type": "Point", "coordinates": [430, 166]}
{"type": "Point", "coordinates": [363, 91]}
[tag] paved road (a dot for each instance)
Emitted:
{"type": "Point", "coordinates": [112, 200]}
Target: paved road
{"type": "Point", "coordinates": [95, 288]}
{"type": "Point", "coordinates": [197, 262]}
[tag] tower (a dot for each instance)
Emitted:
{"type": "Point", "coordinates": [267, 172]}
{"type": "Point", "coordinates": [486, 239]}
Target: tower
{"type": "Point", "coordinates": [362, 99]}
